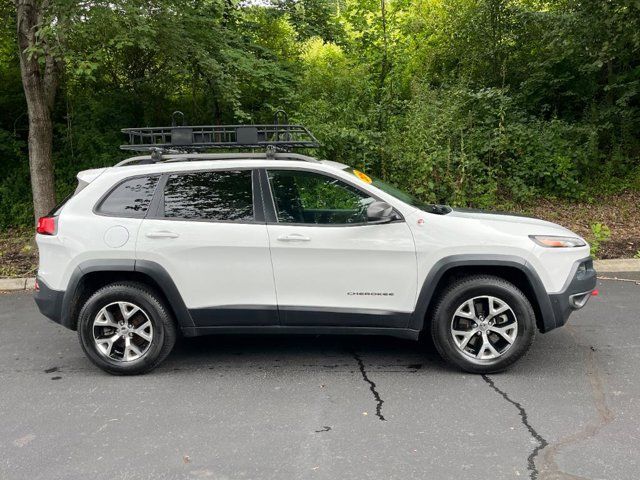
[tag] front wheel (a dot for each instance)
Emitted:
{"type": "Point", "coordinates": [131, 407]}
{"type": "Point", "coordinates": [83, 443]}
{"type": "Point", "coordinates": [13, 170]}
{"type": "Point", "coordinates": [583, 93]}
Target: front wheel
{"type": "Point", "coordinates": [483, 324]}
{"type": "Point", "coordinates": [126, 329]}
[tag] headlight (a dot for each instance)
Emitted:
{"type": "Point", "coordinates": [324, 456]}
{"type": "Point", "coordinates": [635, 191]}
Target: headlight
{"type": "Point", "coordinates": [557, 242]}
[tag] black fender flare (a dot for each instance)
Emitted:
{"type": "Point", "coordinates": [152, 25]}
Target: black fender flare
{"type": "Point", "coordinates": [445, 264]}
{"type": "Point", "coordinates": [151, 269]}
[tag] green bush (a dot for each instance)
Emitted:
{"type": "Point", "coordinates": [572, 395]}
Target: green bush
{"type": "Point", "coordinates": [15, 191]}
{"type": "Point", "coordinates": [471, 147]}
{"type": "Point", "coordinates": [600, 233]}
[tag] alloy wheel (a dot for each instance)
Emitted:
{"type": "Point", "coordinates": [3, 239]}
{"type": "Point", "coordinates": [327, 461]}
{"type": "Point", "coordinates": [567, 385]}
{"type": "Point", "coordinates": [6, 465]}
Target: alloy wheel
{"type": "Point", "coordinates": [122, 331]}
{"type": "Point", "coordinates": [484, 327]}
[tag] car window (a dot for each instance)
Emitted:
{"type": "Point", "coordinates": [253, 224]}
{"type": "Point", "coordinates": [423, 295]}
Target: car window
{"type": "Point", "coordinates": [216, 196]}
{"type": "Point", "coordinates": [131, 198]}
{"type": "Point", "coordinates": [313, 198]}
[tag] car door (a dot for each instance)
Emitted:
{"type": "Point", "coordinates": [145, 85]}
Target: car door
{"type": "Point", "coordinates": [207, 231]}
{"type": "Point", "coordinates": [331, 266]}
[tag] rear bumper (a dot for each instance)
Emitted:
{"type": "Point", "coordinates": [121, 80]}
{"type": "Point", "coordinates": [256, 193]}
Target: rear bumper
{"type": "Point", "coordinates": [576, 293]}
{"type": "Point", "coordinates": [49, 302]}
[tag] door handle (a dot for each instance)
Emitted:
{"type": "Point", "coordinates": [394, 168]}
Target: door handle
{"type": "Point", "coordinates": [162, 234]}
{"type": "Point", "coordinates": [294, 237]}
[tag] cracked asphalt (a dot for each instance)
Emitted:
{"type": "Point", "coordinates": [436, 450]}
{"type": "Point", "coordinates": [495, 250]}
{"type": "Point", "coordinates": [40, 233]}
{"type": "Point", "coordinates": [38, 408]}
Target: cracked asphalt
{"type": "Point", "coordinates": [324, 407]}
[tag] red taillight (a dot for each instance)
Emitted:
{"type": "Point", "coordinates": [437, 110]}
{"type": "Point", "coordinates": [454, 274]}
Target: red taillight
{"type": "Point", "coordinates": [36, 285]}
{"type": "Point", "coordinates": [595, 293]}
{"type": "Point", "coordinates": [46, 225]}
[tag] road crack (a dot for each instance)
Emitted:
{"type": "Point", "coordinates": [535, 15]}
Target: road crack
{"type": "Point", "coordinates": [372, 387]}
{"type": "Point", "coordinates": [524, 419]}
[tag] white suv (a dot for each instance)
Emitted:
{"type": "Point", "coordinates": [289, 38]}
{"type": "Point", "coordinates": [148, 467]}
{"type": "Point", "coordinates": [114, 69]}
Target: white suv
{"type": "Point", "coordinates": [196, 244]}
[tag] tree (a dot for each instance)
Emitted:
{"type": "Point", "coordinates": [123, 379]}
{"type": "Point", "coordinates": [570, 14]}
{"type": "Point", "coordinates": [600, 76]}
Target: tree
{"type": "Point", "coordinates": [40, 69]}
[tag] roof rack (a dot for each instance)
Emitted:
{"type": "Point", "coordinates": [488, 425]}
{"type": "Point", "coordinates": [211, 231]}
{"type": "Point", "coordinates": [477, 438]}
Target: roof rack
{"type": "Point", "coordinates": [183, 138]}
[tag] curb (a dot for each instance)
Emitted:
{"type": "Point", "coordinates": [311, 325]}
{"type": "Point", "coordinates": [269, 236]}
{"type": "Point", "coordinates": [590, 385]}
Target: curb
{"type": "Point", "coordinates": [14, 284]}
{"type": "Point", "coordinates": [617, 265]}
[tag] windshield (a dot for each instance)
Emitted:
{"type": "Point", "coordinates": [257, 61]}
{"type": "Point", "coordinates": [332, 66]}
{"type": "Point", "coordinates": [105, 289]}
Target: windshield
{"type": "Point", "coordinates": [399, 194]}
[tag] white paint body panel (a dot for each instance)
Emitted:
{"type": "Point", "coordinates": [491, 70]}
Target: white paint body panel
{"type": "Point", "coordinates": [212, 264]}
{"type": "Point", "coordinates": [471, 233]}
{"type": "Point", "coordinates": [81, 237]}
{"type": "Point", "coordinates": [337, 262]}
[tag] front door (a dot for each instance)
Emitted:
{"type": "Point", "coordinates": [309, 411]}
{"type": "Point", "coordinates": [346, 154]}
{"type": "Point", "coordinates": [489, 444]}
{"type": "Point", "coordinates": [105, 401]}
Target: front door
{"type": "Point", "coordinates": [332, 267]}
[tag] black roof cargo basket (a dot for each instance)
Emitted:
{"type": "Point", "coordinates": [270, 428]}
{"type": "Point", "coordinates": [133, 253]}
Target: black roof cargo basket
{"type": "Point", "coordinates": [184, 138]}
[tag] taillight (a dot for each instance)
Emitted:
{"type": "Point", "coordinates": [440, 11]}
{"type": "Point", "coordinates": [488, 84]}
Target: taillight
{"type": "Point", "coordinates": [46, 226]}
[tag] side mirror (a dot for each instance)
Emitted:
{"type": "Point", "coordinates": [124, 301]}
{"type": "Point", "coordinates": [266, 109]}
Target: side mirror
{"type": "Point", "coordinates": [380, 211]}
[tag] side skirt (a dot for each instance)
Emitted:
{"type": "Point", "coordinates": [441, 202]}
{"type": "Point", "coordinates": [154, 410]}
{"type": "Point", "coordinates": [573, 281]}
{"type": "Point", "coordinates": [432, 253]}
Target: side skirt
{"type": "Point", "coordinates": [297, 330]}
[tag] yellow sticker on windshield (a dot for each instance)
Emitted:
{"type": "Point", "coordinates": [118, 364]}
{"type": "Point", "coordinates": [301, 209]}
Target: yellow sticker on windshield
{"type": "Point", "coordinates": [362, 176]}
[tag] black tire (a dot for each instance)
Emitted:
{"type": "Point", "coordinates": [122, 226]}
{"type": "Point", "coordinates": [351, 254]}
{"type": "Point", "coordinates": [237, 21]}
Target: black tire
{"type": "Point", "coordinates": [471, 287]}
{"type": "Point", "coordinates": [163, 327]}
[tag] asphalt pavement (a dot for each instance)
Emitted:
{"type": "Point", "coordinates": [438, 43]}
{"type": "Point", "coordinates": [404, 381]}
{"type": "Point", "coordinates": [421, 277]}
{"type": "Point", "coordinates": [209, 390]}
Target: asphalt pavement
{"type": "Point", "coordinates": [296, 407]}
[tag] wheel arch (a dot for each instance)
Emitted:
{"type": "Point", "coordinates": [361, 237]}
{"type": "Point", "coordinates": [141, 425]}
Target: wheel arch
{"type": "Point", "coordinates": [511, 268]}
{"type": "Point", "coordinates": [91, 275]}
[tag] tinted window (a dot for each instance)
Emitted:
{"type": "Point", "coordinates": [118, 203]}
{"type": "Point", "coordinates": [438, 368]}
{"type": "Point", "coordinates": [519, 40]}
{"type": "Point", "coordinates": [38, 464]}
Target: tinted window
{"type": "Point", "coordinates": [307, 197]}
{"type": "Point", "coordinates": [403, 196]}
{"type": "Point", "coordinates": [221, 196]}
{"type": "Point", "coordinates": [131, 198]}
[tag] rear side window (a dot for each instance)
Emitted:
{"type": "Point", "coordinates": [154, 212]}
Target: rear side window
{"type": "Point", "coordinates": [215, 196]}
{"type": "Point", "coordinates": [131, 198]}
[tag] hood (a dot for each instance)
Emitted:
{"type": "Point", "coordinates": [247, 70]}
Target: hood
{"type": "Point", "coordinates": [503, 220]}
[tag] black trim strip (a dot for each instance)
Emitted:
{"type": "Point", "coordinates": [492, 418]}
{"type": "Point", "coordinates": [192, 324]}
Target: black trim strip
{"type": "Point", "coordinates": [157, 202]}
{"type": "Point", "coordinates": [265, 315]}
{"type": "Point", "coordinates": [301, 330]}
{"type": "Point", "coordinates": [235, 315]}
{"type": "Point", "coordinates": [267, 198]}
{"type": "Point", "coordinates": [341, 317]}
{"type": "Point", "coordinates": [258, 204]}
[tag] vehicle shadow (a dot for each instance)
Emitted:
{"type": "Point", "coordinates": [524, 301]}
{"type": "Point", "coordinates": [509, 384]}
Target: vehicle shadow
{"type": "Point", "coordinates": [303, 351]}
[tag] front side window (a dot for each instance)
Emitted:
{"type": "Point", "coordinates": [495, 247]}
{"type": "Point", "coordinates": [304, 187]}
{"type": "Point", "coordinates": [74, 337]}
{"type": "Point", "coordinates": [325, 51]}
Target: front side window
{"type": "Point", "coordinates": [216, 196]}
{"type": "Point", "coordinates": [313, 198]}
{"type": "Point", "coordinates": [131, 198]}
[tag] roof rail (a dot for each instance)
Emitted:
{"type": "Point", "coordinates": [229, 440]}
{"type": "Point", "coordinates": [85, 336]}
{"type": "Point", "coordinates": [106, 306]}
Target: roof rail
{"type": "Point", "coordinates": [193, 157]}
{"type": "Point", "coordinates": [184, 138]}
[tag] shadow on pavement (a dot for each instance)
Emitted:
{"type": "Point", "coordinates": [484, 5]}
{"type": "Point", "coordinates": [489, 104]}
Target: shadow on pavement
{"type": "Point", "coordinates": [300, 350]}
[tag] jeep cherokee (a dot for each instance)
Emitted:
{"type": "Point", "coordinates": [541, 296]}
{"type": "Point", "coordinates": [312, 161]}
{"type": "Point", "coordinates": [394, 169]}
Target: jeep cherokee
{"type": "Point", "coordinates": [197, 243]}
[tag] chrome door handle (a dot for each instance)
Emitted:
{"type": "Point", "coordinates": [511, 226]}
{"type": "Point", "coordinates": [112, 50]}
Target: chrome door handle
{"type": "Point", "coordinates": [294, 237]}
{"type": "Point", "coordinates": [162, 234]}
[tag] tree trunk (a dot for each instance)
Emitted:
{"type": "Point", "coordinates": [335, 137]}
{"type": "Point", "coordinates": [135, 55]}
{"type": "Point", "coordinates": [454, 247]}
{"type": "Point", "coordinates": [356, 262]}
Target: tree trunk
{"type": "Point", "coordinates": [39, 72]}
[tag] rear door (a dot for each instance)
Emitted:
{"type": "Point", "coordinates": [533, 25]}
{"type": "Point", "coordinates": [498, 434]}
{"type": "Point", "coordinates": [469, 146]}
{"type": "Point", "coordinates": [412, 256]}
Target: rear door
{"type": "Point", "coordinates": [331, 266]}
{"type": "Point", "coordinates": [207, 231]}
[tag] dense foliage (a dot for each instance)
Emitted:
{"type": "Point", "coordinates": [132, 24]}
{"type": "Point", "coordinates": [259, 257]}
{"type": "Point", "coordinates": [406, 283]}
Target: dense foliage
{"type": "Point", "coordinates": [472, 102]}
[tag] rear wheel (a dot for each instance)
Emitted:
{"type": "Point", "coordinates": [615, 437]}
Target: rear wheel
{"type": "Point", "coordinates": [483, 324]}
{"type": "Point", "coordinates": [125, 328]}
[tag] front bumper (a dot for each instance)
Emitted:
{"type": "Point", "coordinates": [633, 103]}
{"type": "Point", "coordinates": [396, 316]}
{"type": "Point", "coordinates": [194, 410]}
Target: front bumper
{"type": "Point", "coordinates": [49, 301]}
{"type": "Point", "coordinates": [576, 292]}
